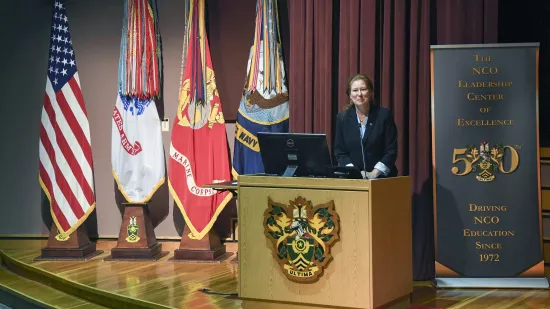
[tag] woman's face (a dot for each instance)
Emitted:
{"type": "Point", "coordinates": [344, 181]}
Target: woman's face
{"type": "Point", "coordinates": [359, 93]}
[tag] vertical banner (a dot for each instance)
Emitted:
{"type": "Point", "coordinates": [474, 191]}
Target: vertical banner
{"type": "Point", "coordinates": [486, 166]}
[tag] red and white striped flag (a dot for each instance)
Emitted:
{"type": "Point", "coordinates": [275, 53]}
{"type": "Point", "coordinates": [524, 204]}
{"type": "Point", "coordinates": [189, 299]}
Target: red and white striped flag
{"type": "Point", "coordinates": [66, 168]}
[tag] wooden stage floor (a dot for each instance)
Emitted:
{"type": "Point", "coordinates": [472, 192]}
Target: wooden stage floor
{"type": "Point", "coordinates": [164, 284]}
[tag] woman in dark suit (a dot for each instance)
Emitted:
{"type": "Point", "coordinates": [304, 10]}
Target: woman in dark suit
{"type": "Point", "coordinates": [366, 135]}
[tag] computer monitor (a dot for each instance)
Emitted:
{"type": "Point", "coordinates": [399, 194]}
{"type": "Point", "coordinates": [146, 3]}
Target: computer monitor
{"type": "Point", "coordinates": [295, 154]}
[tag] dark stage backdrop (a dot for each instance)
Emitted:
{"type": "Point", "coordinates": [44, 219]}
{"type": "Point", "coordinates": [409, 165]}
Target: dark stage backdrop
{"type": "Point", "coordinates": [388, 40]}
{"type": "Point", "coordinates": [324, 42]}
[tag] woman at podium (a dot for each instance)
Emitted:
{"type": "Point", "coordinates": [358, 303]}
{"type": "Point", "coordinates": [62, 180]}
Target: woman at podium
{"type": "Point", "coordinates": [366, 135]}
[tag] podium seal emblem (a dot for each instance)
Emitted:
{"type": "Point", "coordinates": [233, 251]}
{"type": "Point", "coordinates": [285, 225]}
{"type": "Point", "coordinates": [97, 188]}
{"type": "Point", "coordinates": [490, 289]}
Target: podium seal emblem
{"type": "Point", "coordinates": [302, 235]}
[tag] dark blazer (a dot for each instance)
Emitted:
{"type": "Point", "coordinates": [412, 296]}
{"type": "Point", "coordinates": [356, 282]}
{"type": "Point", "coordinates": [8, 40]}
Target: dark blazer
{"type": "Point", "coordinates": [379, 142]}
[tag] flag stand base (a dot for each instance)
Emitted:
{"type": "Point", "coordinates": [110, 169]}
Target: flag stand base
{"type": "Point", "coordinates": [136, 239]}
{"type": "Point", "coordinates": [75, 247]}
{"type": "Point", "coordinates": [207, 249]}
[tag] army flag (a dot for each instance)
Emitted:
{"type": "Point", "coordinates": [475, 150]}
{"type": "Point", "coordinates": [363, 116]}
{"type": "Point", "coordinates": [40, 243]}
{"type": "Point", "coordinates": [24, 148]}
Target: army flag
{"type": "Point", "coordinates": [65, 152]}
{"type": "Point", "coordinates": [264, 103]}
{"type": "Point", "coordinates": [137, 153]}
{"type": "Point", "coordinates": [198, 151]}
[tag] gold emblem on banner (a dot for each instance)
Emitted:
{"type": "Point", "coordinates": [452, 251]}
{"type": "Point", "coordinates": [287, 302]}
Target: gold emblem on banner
{"type": "Point", "coordinates": [486, 160]}
{"type": "Point", "coordinates": [302, 235]}
{"type": "Point", "coordinates": [196, 114]}
{"type": "Point", "coordinates": [133, 230]}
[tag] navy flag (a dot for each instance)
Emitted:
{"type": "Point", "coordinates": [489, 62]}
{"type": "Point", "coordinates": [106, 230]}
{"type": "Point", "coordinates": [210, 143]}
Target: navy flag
{"type": "Point", "coordinates": [264, 104]}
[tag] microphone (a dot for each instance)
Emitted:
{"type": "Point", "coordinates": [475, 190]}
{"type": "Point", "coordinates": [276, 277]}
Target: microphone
{"type": "Point", "coordinates": [362, 150]}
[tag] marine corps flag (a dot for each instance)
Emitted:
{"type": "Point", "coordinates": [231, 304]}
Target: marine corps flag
{"type": "Point", "coordinates": [198, 152]}
{"type": "Point", "coordinates": [137, 153]}
{"type": "Point", "coordinates": [264, 104]}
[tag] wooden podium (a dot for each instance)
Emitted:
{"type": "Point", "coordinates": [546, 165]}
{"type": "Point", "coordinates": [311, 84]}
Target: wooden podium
{"type": "Point", "coordinates": [371, 263]}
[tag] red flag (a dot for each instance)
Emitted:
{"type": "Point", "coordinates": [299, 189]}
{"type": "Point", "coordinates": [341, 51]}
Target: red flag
{"type": "Point", "coordinates": [198, 152]}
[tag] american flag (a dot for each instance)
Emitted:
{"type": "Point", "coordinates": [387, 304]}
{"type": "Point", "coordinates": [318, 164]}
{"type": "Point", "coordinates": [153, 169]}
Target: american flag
{"type": "Point", "coordinates": [66, 174]}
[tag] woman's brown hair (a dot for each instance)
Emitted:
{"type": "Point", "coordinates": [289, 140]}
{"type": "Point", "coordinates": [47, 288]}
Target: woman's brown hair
{"type": "Point", "coordinates": [354, 78]}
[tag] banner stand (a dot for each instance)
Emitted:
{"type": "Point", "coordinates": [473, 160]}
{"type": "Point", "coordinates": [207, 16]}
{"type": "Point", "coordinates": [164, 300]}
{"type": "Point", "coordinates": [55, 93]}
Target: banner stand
{"type": "Point", "coordinates": [486, 166]}
{"type": "Point", "coordinates": [528, 283]}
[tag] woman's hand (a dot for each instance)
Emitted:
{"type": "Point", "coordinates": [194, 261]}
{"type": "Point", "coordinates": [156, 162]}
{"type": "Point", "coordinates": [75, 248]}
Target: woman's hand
{"type": "Point", "coordinates": [372, 175]}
